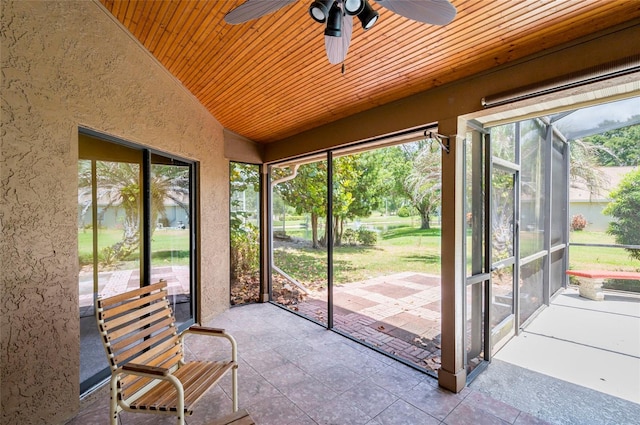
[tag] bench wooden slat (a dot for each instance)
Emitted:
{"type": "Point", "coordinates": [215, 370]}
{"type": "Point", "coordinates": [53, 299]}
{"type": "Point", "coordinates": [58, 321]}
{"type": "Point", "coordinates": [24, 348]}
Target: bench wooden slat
{"type": "Point", "coordinates": [134, 326]}
{"type": "Point", "coordinates": [196, 377]}
{"type": "Point", "coordinates": [145, 331]}
{"type": "Point", "coordinates": [132, 305]}
{"type": "Point", "coordinates": [604, 274]}
{"type": "Point", "coordinates": [135, 315]}
{"type": "Point", "coordinates": [198, 387]}
{"type": "Point", "coordinates": [142, 346]}
{"type": "Point", "coordinates": [155, 357]}
{"type": "Point", "coordinates": [107, 302]}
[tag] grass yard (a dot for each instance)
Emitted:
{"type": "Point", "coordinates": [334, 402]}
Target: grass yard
{"type": "Point", "coordinates": [398, 250]}
{"type": "Point", "coordinates": [599, 258]}
{"type": "Point", "coordinates": [411, 249]}
{"type": "Point", "coordinates": [168, 246]}
{"type": "Point", "coordinates": [582, 236]}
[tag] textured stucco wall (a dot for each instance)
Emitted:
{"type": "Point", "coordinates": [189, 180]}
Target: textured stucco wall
{"type": "Point", "coordinates": [67, 64]}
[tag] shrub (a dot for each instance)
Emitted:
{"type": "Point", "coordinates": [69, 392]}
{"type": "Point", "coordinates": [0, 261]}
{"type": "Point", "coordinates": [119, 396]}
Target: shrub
{"type": "Point", "coordinates": [108, 256]}
{"type": "Point", "coordinates": [350, 237]}
{"type": "Point", "coordinates": [367, 237]}
{"type": "Point", "coordinates": [624, 208]}
{"type": "Point", "coordinates": [404, 212]}
{"type": "Point", "coordinates": [85, 259]}
{"type": "Point", "coordinates": [578, 222]}
{"type": "Point", "coordinates": [245, 251]}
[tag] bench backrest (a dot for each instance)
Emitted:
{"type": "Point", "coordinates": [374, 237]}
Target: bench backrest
{"type": "Point", "coordinates": [139, 327]}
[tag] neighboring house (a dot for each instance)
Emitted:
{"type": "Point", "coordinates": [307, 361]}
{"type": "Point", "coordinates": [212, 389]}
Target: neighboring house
{"type": "Point", "coordinates": [110, 216]}
{"type": "Point", "coordinates": [590, 205]}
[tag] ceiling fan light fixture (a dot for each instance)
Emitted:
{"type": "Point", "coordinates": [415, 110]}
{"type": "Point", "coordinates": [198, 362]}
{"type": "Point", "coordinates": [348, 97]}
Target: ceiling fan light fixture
{"type": "Point", "coordinates": [320, 9]}
{"type": "Point", "coordinates": [367, 16]}
{"type": "Point", "coordinates": [334, 22]}
{"type": "Point", "coordinates": [353, 7]}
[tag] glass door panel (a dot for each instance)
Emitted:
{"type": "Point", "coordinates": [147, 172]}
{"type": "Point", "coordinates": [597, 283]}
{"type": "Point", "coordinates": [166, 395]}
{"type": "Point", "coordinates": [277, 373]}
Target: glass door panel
{"type": "Point", "coordinates": [118, 224]}
{"type": "Point", "coordinates": [171, 231]}
{"type": "Point", "coordinates": [244, 224]}
{"type": "Point", "coordinates": [501, 296]}
{"type": "Point", "coordinates": [474, 325]}
{"type": "Point", "coordinates": [109, 217]}
{"type": "Point", "coordinates": [533, 215]}
{"type": "Point", "coordinates": [532, 193]}
{"type": "Point", "coordinates": [299, 279]}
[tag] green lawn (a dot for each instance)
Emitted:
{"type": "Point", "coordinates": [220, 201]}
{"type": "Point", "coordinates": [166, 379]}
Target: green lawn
{"type": "Point", "coordinates": [168, 246]}
{"type": "Point", "coordinates": [599, 258]}
{"type": "Point", "coordinates": [411, 249]}
{"type": "Point", "coordinates": [582, 236]}
{"type": "Point", "coordinates": [398, 250]}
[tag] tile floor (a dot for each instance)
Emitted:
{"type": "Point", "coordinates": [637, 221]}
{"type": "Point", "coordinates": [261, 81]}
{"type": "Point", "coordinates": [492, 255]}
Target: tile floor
{"type": "Point", "coordinates": [577, 363]}
{"type": "Point", "coordinates": [294, 372]}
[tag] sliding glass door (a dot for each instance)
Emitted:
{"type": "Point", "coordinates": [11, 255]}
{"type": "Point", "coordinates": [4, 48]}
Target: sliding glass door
{"type": "Point", "coordinates": [135, 227]}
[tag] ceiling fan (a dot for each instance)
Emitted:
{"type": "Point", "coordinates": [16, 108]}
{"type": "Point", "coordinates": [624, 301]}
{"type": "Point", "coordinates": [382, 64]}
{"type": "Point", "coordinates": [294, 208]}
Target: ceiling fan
{"type": "Point", "coordinates": [338, 15]}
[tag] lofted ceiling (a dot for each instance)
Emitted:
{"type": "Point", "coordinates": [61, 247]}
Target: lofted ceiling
{"type": "Point", "coordinates": [269, 79]}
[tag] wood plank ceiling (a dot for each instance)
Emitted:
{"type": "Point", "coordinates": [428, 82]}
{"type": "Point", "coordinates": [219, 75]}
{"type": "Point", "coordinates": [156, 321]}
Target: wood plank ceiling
{"type": "Point", "coordinates": [269, 78]}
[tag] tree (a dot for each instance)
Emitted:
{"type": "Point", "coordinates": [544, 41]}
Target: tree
{"type": "Point", "coordinates": [625, 209]}
{"type": "Point", "coordinates": [118, 184]}
{"type": "Point", "coordinates": [242, 178]}
{"type": "Point", "coordinates": [244, 236]}
{"type": "Point", "coordinates": [423, 183]}
{"type": "Point", "coordinates": [583, 169]}
{"type": "Point", "coordinates": [395, 165]}
{"type": "Point", "coordinates": [357, 189]}
{"type": "Point", "coordinates": [415, 171]}
{"type": "Point", "coordinates": [619, 147]}
{"type": "Point", "coordinates": [306, 192]}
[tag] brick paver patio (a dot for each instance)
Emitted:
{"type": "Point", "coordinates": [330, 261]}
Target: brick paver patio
{"type": "Point", "coordinates": [399, 314]}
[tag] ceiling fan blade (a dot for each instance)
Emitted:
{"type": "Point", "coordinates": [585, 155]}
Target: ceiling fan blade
{"type": "Point", "coordinates": [435, 12]}
{"type": "Point", "coordinates": [253, 9]}
{"type": "Point", "coordinates": [337, 47]}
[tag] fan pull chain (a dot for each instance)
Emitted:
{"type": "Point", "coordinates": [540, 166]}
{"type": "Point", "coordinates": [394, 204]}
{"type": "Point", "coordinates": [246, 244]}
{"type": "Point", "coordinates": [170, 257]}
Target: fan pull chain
{"type": "Point", "coordinates": [343, 68]}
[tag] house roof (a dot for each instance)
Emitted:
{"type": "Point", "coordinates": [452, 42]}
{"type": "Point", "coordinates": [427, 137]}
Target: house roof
{"type": "Point", "coordinates": [611, 178]}
{"type": "Point", "coordinates": [269, 78]}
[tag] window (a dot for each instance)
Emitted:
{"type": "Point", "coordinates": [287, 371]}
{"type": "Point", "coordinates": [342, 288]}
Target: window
{"type": "Point", "coordinates": [244, 232]}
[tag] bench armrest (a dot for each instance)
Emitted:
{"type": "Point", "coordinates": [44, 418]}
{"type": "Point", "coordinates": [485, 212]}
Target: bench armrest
{"type": "Point", "coordinates": [206, 330]}
{"type": "Point", "coordinates": [203, 330]}
{"type": "Point", "coordinates": [143, 369]}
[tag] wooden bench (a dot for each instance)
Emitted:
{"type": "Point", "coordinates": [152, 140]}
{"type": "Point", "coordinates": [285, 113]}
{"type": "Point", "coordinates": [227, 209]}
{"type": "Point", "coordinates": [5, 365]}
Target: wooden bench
{"type": "Point", "coordinates": [592, 280]}
{"type": "Point", "coordinates": [149, 373]}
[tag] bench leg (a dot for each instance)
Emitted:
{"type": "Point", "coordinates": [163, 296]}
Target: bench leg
{"type": "Point", "coordinates": [591, 288]}
{"type": "Point", "coordinates": [234, 387]}
{"type": "Point", "coordinates": [113, 402]}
